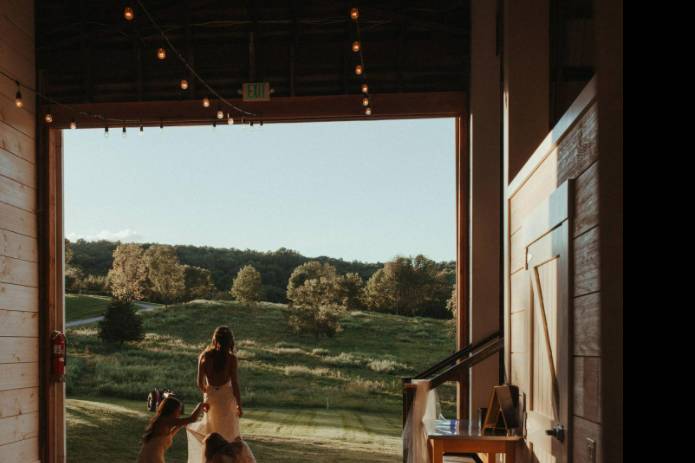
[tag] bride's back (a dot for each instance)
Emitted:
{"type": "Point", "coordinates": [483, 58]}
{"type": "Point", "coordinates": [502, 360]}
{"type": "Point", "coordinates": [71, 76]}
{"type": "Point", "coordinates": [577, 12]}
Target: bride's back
{"type": "Point", "coordinates": [218, 367]}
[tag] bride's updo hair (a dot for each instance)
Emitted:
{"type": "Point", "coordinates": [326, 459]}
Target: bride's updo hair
{"type": "Point", "coordinates": [222, 347]}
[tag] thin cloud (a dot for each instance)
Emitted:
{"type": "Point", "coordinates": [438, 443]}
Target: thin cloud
{"type": "Point", "coordinates": [121, 235]}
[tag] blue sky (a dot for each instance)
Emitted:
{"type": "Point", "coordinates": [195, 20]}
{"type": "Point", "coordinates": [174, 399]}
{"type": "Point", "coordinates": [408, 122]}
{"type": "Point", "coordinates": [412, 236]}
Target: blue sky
{"type": "Point", "coordinates": [355, 190]}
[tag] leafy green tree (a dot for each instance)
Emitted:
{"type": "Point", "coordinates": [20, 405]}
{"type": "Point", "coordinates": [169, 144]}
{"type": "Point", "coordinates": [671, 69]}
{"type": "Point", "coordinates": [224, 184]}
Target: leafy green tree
{"type": "Point", "coordinates": [120, 323]}
{"type": "Point", "coordinates": [127, 278]}
{"type": "Point", "coordinates": [350, 291]}
{"type": "Point", "coordinates": [312, 270]}
{"type": "Point", "coordinates": [314, 308]}
{"type": "Point", "coordinates": [410, 286]}
{"type": "Point", "coordinates": [165, 276]}
{"type": "Point", "coordinates": [451, 304]}
{"type": "Point", "coordinates": [198, 282]}
{"type": "Point", "coordinates": [247, 285]}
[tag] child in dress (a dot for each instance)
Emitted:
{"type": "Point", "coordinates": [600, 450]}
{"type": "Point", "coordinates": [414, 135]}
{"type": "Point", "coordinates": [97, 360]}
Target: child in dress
{"type": "Point", "coordinates": [160, 432]}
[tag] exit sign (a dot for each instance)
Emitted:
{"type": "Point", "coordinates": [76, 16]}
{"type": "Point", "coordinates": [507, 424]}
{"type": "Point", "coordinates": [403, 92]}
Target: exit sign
{"type": "Point", "coordinates": [256, 91]}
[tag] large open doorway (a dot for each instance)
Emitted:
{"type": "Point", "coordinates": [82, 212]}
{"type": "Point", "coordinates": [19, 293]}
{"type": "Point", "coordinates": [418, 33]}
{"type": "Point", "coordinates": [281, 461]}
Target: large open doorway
{"type": "Point", "coordinates": [334, 397]}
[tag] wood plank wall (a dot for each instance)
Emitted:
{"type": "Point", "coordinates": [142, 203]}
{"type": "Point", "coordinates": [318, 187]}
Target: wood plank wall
{"type": "Point", "coordinates": [570, 153]}
{"type": "Point", "coordinates": [19, 293]}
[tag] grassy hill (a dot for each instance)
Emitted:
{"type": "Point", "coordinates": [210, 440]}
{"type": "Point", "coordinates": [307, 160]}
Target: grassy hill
{"type": "Point", "coordinates": [338, 399]}
{"type": "Point", "coordinates": [79, 306]}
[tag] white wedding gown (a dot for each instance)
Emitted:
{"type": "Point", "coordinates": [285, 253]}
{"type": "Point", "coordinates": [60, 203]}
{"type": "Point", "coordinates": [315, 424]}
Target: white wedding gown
{"type": "Point", "coordinates": [222, 418]}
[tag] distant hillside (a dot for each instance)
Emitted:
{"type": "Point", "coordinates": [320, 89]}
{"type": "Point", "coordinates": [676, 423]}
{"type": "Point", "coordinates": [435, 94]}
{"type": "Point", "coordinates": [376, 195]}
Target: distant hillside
{"type": "Point", "coordinates": [95, 258]}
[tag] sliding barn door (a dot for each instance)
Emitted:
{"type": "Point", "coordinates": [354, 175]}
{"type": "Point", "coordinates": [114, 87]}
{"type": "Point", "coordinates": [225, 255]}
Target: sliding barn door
{"type": "Point", "coordinates": [545, 235]}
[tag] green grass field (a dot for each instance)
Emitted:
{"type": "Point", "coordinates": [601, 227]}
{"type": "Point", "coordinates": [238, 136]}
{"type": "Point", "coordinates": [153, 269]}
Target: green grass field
{"type": "Point", "coordinates": [306, 399]}
{"type": "Point", "coordinates": [79, 306]}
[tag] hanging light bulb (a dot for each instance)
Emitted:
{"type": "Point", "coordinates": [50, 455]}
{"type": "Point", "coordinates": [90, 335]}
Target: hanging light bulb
{"type": "Point", "coordinates": [106, 132]}
{"type": "Point", "coordinates": [129, 13]}
{"type": "Point", "coordinates": [365, 101]}
{"type": "Point", "coordinates": [356, 46]}
{"type": "Point", "coordinates": [230, 120]}
{"type": "Point", "coordinates": [142, 130]}
{"type": "Point", "coordinates": [123, 132]}
{"type": "Point", "coordinates": [214, 124]}
{"type": "Point", "coordinates": [73, 124]}
{"type": "Point", "coordinates": [368, 111]}
{"type": "Point", "coordinates": [18, 97]}
{"type": "Point", "coordinates": [354, 14]}
{"type": "Point", "coordinates": [48, 118]}
{"type": "Point", "coordinates": [183, 84]}
{"type": "Point", "coordinates": [359, 69]}
{"type": "Point", "coordinates": [206, 102]}
{"type": "Point", "coordinates": [365, 88]}
{"type": "Point", "coordinates": [161, 125]}
{"type": "Point", "coordinates": [161, 54]}
{"type": "Point", "coordinates": [220, 114]}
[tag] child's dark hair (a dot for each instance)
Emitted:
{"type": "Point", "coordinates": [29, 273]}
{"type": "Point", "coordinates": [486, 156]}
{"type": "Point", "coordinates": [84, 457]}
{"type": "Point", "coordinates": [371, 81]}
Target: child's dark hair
{"type": "Point", "coordinates": [216, 444]}
{"type": "Point", "coordinates": [166, 407]}
{"type": "Point", "coordinates": [221, 348]}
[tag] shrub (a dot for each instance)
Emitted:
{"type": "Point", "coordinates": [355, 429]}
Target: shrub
{"type": "Point", "coordinates": [247, 285]}
{"type": "Point", "coordinates": [120, 323]}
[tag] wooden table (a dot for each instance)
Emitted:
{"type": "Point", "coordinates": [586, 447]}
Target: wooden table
{"type": "Point", "coordinates": [461, 436]}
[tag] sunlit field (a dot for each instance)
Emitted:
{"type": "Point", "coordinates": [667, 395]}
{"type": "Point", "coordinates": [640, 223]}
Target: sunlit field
{"type": "Point", "coordinates": [305, 398]}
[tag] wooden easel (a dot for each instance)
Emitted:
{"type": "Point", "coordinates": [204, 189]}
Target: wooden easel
{"type": "Point", "coordinates": [502, 411]}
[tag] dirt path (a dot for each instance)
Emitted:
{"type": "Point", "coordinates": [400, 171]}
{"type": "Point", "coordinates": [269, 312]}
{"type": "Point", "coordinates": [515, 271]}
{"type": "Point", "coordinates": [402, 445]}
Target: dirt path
{"type": "Point", "coordinates": [141, 306]}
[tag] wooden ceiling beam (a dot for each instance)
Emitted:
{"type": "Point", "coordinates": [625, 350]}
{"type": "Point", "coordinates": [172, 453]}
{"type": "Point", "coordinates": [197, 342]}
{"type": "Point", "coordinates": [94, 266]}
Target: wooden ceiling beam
{"type": "Point", "coordinates": [280, 109]}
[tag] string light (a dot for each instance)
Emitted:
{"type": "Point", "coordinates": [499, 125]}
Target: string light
{"type": "Point", "coordinates": [365, 101]}
{"type": "Point", "coordinates": [142, 130]}
{"type": "Point", "coordinates": [214, 124]}
{"type": "Point", "coordinates": [206, 102]}
{"type": "Point", "coordinates": [123, 133]}
{"type": "Point", "coordinates": [230, 120]}
{"type": "Point", "coordinates": [365, 88]}
{"type": "Point", "coordinates": [73, 124]}
{"type": "Point", "coordinates": [354, 14]}
{"type": "Point", "coordinates": [129, 13]}
{"type": "Point", "coordinates": [161, 125]}
{"type": "Point", "coordinates": [48, 118]}
{"type": "Point", "coordinates": [356, 47]}
{"type": "Point", "coordinates": [220, 114]}
{"type": "Point", "coordinates": [106, 132]}
{"type": "Point", "coordinates": [161, 54]}
{"type": "Point", "coordinates": [183, 84]}
{"type": "Point", "coordinates": [18, 97]}
{"type": "Point", "coordinates": [368, 111]}
{"type": "Point", "coordinates": [359, 69]}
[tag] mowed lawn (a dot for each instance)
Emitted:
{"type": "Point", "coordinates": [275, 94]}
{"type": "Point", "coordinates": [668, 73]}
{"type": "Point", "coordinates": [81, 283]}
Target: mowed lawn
{"type": "Point", "coordinates": [307, 399]}
{"type": "Point", "coordinates": [80, 306]}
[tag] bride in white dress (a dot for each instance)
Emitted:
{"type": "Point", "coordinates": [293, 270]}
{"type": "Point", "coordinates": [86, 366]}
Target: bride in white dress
{"type": "Point", "coordinates": [218, 379]}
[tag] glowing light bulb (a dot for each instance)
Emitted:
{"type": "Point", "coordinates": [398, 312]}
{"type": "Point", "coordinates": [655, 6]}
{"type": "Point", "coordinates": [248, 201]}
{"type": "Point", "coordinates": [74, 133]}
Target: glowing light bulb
{"type": "Point", "coordinates": [220, 114]}
{"type": "Point", "coordinates": [356, 46]}
{"type": "Point", "coordinates": [161, 54]}
{"type": "Point", "coordinates": [129, 13]}
{"type": "Point", "coordinates": [365, 101]}
{"type": "Point", "coordinates": [365, 88]}
{"type": "Point", "coordinates": [183, 84]}
{"type": "Point", "coordinates": [73, 124]}
{"type": "Point", "coordinates": [206, 102]}
{"type": "Point", "coordinates": [48, 118]}
{"type": "Point", "coordinates": [359, 69]}
{"type": "Point", "coordinates": [368, 111]}
{"type": "Point", "coordinates": [354, 14]}
{"type": "Point", "coordinates": [18, 99]}
{"type": "Point", "coordinates": [230, 120]}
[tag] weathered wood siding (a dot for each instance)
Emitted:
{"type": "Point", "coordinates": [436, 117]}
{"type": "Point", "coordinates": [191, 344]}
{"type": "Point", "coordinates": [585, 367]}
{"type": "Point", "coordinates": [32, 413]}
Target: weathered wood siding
{"type": "Point", "coordinates": [19, 294]}
{"type": "Point", "coordinates": [570, 153]}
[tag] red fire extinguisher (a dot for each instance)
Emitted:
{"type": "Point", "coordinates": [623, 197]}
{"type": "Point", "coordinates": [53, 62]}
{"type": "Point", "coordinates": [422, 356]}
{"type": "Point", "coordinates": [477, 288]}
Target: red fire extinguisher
{"type": "Point", "coordinates": [59, 348]}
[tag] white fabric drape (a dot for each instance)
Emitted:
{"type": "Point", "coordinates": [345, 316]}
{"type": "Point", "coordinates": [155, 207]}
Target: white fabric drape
{"type": "Point", "coordinates": [425, 407]}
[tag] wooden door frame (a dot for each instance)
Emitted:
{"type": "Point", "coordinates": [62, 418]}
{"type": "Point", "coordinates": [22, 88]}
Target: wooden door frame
{"type": "Point", "coordinates": [302, 109]}
{"type": "Point", "coordinates": [51, 288]}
